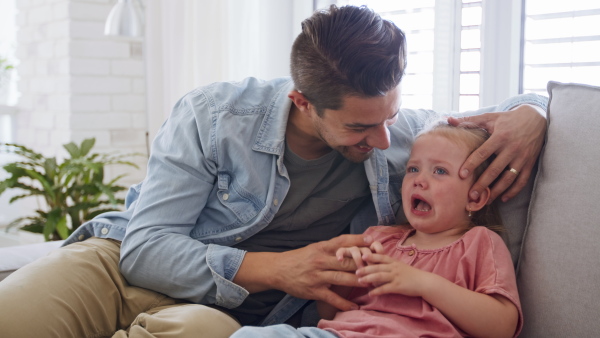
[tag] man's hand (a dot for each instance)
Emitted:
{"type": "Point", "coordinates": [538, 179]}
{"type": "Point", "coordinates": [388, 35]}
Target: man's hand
{"type": "Point", "coordinates": [516, 138]}
{"type": "Point", "coordinates": [307, 272]}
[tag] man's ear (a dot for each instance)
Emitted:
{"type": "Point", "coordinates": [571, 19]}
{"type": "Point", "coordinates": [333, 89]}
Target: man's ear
{"type": "Point", "coordinates": [476, 205]}
{"type": "Point", "coordinates": [300, 101]}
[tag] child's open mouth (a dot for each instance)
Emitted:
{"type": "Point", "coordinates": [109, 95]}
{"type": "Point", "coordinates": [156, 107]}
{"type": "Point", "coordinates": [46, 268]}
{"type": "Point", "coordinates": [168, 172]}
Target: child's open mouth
{"type": "Point", "coordinates": [420, 204]}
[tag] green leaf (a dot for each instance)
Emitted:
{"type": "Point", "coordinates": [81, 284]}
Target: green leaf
{"type": "Point", "coordinates": [87, 145]}
{"type": "Point", "coordinates": [16, 223]}
{"type": "Point", "coordinates": [114, 180]}
{"type": "Point", "coordinates": [53, 218]}
{"type": "Point", "coordinates": [18, 197]}
{"type": "Point", "coordinates": [72, 149]}
{"type": "Point", "coordinates": [40, 178]}
{"type": "Point", "coordinates": [61, 227]}
{"type": "Point", "coordinates": [106, 190]}
{"type": "Point", "coordinates": [35, 228]}
{"type": "Point", "coordinates": [50, 167]}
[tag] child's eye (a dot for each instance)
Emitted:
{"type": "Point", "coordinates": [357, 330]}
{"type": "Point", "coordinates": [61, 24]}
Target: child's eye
{"type": "Point", "coordinates": [440, 171]}
{"type": "Point", "coordinates": [412, 170]}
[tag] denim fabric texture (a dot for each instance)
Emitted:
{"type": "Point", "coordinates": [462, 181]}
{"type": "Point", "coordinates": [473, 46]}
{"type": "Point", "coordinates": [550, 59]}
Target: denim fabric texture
{"type": "Point", "coordinates": [282, 330]}
{"type": "Point", "coordinates": [216, 177]}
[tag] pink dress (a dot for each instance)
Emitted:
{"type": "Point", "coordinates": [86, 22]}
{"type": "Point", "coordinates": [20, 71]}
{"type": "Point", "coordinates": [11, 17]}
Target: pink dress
{"type": "Point", "coordinates": [478, 261]}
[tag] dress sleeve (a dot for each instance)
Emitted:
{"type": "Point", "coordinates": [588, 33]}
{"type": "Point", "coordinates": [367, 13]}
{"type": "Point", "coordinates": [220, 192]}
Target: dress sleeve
{"type": "Point", "coordinates": [488, 269]}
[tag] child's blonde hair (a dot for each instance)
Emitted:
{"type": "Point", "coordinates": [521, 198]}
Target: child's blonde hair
{"type": "Point", "coordinates": [471, 137]}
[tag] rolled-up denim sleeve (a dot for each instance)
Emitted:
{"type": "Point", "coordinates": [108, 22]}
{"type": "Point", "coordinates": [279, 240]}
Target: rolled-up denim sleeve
{"type": "Point", "coordinates": [158, 252]}
{"type": "Point", "coordinates": [413, 120]}
{"type": "Point", "coordinates": [530, 98]}
{"type": "Point", "coordinates": [510, 103]}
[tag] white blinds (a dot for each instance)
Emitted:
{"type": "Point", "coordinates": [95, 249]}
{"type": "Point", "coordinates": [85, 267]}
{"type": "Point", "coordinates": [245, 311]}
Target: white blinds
{"type": "Point", "coordinates": [417, 21]}
{"type": "Point", "coordinates": [562, 43]}
{"type": "Point", "coordinates": [444, 49]}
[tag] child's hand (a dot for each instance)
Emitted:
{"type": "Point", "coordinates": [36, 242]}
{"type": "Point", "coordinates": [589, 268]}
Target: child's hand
{"type": "Point", "coordinates": [358, 253]}
{"type": "Point", "coordinates": [388, 275]}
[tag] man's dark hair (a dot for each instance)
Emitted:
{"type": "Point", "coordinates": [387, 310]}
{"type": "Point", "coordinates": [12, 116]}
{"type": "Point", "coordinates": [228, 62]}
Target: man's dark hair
{"type": "Point", "coordinates": [347, 51]}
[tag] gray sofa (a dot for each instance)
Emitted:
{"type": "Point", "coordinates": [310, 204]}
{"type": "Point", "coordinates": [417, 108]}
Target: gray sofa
{"type": "Point", "coordinates": [553, 225]}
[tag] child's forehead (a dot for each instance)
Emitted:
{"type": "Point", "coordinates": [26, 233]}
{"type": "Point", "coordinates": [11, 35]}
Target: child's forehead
{"type": "Point", "coordinates": [434, 138]}
{"type": "Point", "coordinates": [438, 145]}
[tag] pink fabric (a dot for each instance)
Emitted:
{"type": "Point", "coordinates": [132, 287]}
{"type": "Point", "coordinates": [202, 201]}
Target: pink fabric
{"type": "Point", "coordinates": [478, 261]}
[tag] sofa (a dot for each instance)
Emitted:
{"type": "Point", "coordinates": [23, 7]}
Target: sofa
{"type": "Point", "coordinates": [553, 225]}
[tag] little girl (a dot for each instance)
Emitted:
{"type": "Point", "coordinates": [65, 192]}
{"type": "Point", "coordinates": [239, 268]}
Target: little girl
{"type": "Point", "coordinates": [445, 274]}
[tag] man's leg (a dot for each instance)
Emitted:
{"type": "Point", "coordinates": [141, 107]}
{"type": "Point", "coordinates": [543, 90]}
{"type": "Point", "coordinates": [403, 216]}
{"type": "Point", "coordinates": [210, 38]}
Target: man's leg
{"type": "Point", "coordinates": [181, 321]}
{"type": "Point", "coordinates": [75, 291]}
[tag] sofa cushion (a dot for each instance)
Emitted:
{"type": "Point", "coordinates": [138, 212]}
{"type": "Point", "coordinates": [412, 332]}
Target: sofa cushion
{"type": "Point", "coordinates": [558, 272]}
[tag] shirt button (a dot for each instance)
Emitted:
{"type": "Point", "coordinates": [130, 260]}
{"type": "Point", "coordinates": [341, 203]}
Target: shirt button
{"type": "Point", "coordinates": [225, 197]}
{"type": "Point", "coordinates": [237, 239]}
{"type": "Point", "coordinates": [411, 252]}
{"type": "Point", "coordinates": [275, 202]}
{"type": "Point", "coordinates": [81, 237]}
{"type": "Point", "coordinates": [104, 231]}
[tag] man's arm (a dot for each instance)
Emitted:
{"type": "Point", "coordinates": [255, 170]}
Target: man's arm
{"type": "Point", "coordinates": [158, 252]}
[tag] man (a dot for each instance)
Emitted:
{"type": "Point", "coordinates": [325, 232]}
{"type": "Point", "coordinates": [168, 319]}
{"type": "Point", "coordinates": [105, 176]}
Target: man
{"type": "Point", "coordinates": [249, 187]}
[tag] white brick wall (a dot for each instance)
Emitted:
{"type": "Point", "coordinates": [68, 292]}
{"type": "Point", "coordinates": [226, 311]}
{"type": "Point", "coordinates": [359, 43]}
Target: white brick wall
{"type": "Point", "coordinates": [76, 83]}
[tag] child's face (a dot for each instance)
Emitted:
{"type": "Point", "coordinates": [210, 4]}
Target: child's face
{"type": "Point", "coordinates": [434, 197]}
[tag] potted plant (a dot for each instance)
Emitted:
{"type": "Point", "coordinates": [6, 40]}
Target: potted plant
{"type": "Point", "coordinates": [74, 191]}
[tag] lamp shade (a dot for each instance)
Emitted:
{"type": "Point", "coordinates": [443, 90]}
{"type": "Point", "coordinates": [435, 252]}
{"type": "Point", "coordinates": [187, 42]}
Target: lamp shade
{"type": "Point", "coordinates": [124, 20]}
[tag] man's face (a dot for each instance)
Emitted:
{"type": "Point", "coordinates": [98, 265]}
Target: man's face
{"type": "Point", "coordinates": [360, 125]}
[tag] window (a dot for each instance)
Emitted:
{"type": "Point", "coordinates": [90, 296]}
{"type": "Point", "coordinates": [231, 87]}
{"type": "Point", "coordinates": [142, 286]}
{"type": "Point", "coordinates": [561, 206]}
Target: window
{"type": "Point", "coordinates": [436, 47]}
{"type": "Point", "coordinates": [562, 43]}
{"type": "Point", "coordinates": [418, 23]}
{"type": "Point", "coordinates": [470, 55]}
{"type": "Point", "coordinates": [463, 54]}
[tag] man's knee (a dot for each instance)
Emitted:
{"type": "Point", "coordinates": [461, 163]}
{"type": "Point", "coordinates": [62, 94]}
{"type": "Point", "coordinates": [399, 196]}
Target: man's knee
{"type": "Point", "coordinates": [52, 296]}
{"type": "Point", "coordinates": [183, 320]}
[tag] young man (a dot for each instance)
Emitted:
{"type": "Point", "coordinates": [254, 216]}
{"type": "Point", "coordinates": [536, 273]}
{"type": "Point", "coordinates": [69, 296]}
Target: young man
{"type": "Point", "coordinates": [250, 188]}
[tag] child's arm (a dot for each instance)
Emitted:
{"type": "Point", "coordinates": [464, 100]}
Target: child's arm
{"type": "Point", "coordinates": [477, 314]}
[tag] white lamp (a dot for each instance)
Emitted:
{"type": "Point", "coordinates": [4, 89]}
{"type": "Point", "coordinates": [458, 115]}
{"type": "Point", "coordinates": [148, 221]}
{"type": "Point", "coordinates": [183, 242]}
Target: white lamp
{"type": "Point", "coordinates": [124, 20]}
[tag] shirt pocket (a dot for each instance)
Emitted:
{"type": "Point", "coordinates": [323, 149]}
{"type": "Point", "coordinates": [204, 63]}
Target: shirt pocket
{"type": "Point", "coordinates": [243, 204]}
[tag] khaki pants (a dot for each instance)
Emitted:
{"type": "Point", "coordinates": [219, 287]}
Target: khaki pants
{"type": "Point", "coordinates": [78, 291]}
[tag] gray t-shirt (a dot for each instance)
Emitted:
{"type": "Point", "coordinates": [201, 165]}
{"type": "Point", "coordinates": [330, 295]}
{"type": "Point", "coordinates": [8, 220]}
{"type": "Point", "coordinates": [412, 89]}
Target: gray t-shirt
{"type": "Point", "coordinates": [324, 196]}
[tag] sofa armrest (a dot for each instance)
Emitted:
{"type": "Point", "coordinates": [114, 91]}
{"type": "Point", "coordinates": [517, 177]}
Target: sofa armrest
{"type": "Point", "coordinates": [14, 257]}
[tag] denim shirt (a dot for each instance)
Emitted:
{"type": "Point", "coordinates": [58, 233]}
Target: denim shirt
{"type": "Point", "coordinates": [216, 177]}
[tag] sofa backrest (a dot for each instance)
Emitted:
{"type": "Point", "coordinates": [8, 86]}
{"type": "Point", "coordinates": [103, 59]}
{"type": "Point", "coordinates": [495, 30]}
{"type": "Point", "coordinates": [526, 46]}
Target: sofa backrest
{"type": "Point", "coordinates": [558, 270]}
